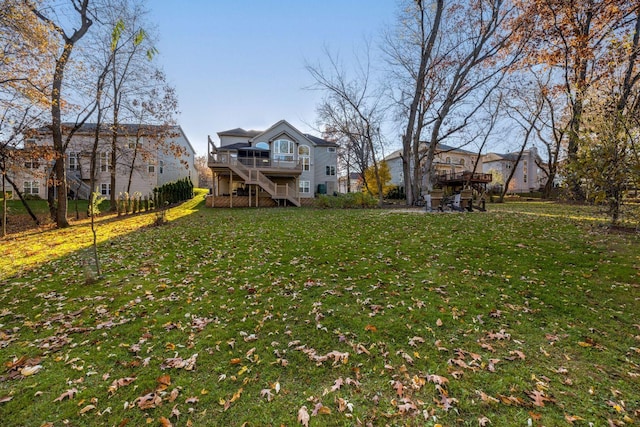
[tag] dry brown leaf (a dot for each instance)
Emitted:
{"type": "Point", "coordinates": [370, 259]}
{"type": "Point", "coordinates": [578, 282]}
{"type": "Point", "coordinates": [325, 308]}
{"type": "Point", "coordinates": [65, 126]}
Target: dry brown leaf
{"type": "Point", "coordinates": [398, 387]}
{"type": "Point", "coordinates": [303, 416]}
{"type": "Point", "coordinates": [66, 395]}
{"type": "Point", "coordinates": [116, 384]}
{"type": "Point", "coordinates": [148, 401]}
{"type": "Point", "coordinates": [174, 394]}
{"type": "Point", "coordinates": [572, 418]}
{"type": "Point", "coordinates": [539, 398]}
{"type": "Point", "coordinates": [484, 421]}
{"type": "Point", "coordinates": [164, 381]}
{"type": "Point", "coordinates": [266, 393]}
{"type": "Point", "coordinates": [87, 409]}
{"type": "Point", "coordinates": [164, 422]}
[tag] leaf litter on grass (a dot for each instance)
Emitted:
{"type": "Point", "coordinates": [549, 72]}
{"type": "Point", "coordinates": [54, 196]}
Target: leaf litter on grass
{"type": "Point", "coordinates": [425, 319]}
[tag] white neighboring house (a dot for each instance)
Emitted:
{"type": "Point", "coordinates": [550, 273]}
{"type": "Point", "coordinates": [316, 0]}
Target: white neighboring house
{"type": "Point", "coordinates": [528, 175]}
{"type": "Point", "coordinates": [448, 161]}
{"type": "Point", "coordinates": [280, 164]}
{"type": "Point", "coordinates": [148, 156]}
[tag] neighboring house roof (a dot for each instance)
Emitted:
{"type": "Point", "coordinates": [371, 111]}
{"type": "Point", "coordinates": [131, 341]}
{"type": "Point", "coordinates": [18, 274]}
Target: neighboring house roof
{"type": "Point", "coordinates": [320, 141]}
{"type": "Point", "coordinates": [125, 128]}
{"type": "Point", "coordinates": [240, 132]}
{"type": "Point", "coordinates": [442, 148]}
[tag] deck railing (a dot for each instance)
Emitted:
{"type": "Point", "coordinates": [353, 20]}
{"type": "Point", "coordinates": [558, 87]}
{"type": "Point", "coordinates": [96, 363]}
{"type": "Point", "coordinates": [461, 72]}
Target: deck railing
{"type": "Point", "coordinates": [227, 157]}
{"type": "Point", "coordinates": [465, 176]}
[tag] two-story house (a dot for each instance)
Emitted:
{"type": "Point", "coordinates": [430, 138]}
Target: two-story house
{"type": "Point", "coordinates": [528, 175]}
{"type": "Point", "coordinates": [279, 166]}
{"type": "Point", "coordinates": [147, 156]}
{"type": "Point", "coordinates": [448, 163]}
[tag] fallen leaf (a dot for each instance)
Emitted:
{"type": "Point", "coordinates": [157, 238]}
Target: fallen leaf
{"type": "Point", "coordinates": [148, 401]}
{"type": "Point", "coordinates": [266, 393]}
{"type": "Point", "coordinates": [116, 384]}
{"type": "Point", "coordinates": [164, 381]}
{"type": "Point", "coordinates": [164, 422]}
{"type": "Point", "coordinates": [320, 409]}
{"type": "Point", "coordinates": [87, 409]}
{"type": "Point", "coordinates": [398, 387]}
{"type": "Point", "coordinates": [30, 370]}
{"type": "Point", "coordinates": [484, 421]}
{"type": "Point", "coordinates": [66, 395]}
{"type": "Point", "coordinates": [370, 328]}
{"type": "Point", "coordinates": [572, 418]}
{"type": "Point", "coordinates": [303, 416]}
{"type": "Point", "coordinates": [539, 398]}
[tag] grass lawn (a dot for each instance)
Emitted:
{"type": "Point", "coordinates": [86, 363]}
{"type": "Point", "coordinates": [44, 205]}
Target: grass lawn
{"type": "Point", "coordinates": [328, 317]}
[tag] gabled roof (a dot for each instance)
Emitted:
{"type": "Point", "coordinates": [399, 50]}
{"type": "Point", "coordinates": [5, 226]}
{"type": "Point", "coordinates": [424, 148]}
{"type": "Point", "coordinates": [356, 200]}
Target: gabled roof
{"type": "Point", "coordinates": [320, 141]}
{"type": "Point", "coordinates": [289, 130]}
{"type": "Point", "coordinates": [125, 129]}
{"type": "Point", "coordinates": [240, 132]}
{"type": "Point", "coordinates": [442, 148]}
{"type": "Point", "coordinates": [496, 157]}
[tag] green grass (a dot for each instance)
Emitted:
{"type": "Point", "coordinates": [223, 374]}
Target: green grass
{"type": "Point", "coordinates": [525, 298]}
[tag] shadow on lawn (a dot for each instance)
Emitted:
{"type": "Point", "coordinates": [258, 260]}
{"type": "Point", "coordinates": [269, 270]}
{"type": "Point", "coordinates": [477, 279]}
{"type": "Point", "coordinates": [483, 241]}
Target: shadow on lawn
{"type": "Point", "coordinates": [22, 252]}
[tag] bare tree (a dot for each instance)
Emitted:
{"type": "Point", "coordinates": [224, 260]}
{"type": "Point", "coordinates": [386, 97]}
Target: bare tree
{"type": "Point", "coordinates": [351, 109]}
{"type": "Point", "coordinates": [68, 38]}
{"type": "Point", "coordinates": [409, 52]}
{"type": "Point", "coordinates": [524, 107]}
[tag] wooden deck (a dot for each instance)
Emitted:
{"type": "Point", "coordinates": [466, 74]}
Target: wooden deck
{"type": "Point", "coordinates": [464, 178]}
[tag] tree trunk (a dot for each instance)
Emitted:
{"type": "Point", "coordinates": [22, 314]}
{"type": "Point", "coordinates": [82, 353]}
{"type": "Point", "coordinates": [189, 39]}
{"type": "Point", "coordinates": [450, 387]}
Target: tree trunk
{"type": "Point", "coordinates": [4, 207]}
{"type": "Point", "coordinates": [22, 199]}
{"type": "Point", "coordinates": [414, 129]}
{"type": "Point", "coordinates": [59, 212]}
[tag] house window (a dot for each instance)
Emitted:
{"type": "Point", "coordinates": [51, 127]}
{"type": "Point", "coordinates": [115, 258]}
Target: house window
{"type": "Point", "coordinates": [331, 149]}
{"type": "Point", "coordinates": [32, 164]}
{"type": "Point", "coordinates": [105, 189]}
{"type": "Point", "coordinates": [304, 156]}
{"type": "Point", "coordinates": [524, 178]}
{"type": "Point", "coordinates": [151, 168]}
{"type": "Point", "coordinates": [105, 161]}
{"type": "Point", "coordinates": [73, 161]}
{"type": "Point", "coordinates": [461, 162]}
{"type": "Point", "coordinates": [31, 187]}
{"type": "Point", "coordinates": [448, 160]}
{"type": "Point", "coordinates": [330, 170]}
{"type": "Point", "coordinates": [283, 150]}
{"type": "Point", "coordinates": [305, 187]}
{"type": "Point", "coordinates": [161, 166]}
{"type": "Point", "coordinates": [131, 145]}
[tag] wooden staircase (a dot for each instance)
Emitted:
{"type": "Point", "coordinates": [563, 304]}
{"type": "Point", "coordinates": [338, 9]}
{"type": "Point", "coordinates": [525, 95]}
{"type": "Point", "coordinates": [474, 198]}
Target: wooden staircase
{"type": "Point", "coordinates": [254, 176]}
{"type": "Point", "coordinates": [77, 185]}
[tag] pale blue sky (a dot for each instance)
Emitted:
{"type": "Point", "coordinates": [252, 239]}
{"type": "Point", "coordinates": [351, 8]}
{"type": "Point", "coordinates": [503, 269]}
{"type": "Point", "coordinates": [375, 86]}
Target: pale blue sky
{"type": "Point", "coordinates": [240, 63]}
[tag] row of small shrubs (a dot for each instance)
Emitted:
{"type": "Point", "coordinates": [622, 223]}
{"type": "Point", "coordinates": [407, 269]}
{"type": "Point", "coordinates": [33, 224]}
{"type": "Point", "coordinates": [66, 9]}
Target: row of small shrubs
{"type": "Point", "coordinates": [169, 193]}
{"type": "Point", "coordinates": [133, 203]}
{"type": "Point", "coordinates": [347, 201]}
{"type": "Point", "coordinates": [173, 192]}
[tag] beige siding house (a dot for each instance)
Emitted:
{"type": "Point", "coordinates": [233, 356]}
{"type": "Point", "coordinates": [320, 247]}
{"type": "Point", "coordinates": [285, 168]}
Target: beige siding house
{"type": "Point", "coordinates": [448, 162]}
{"type": "Point", "coordinates": [146, 157]}
{"type": "Point", "coordinates": [279, 166]}
{"type": "Point", "coordinates": [528, 175]}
